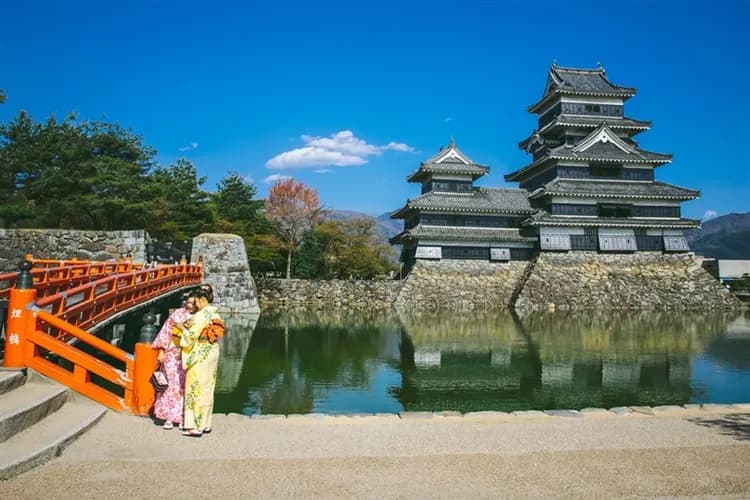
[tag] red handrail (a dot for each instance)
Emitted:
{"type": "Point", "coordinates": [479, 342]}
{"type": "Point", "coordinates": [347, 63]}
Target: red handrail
{"type": "Point", "coordinates": [51, 280]}
{"type": "Point", "coordinates": [39, 344]}
{"type": "Point", "coordinates": [91, 303]}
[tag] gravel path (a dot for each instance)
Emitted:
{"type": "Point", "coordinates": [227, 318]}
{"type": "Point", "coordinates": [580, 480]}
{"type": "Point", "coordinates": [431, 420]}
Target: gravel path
{"type": "Point", "coordinates": [695, 454]}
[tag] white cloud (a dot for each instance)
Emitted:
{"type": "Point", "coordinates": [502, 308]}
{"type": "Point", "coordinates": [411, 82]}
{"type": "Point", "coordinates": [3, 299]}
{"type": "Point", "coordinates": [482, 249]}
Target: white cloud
{"type": "Point", "coordinates": [447, 119]}
{"type": "Point", "coordinates": [399, 146]}
{"type": "Point", "coordinates": [709, 214]}
{"type": "Point", "coordinates": [275, 178]}
{"type": "Point", "coordinates": [192, 146]}
{"type": "Point", "coordinates": [343, 141]}
{"type": "Point", "coordinates": [323, 171]}
{"type": "Point", "coordinates": [342, 149]}
{"type": "Point", "coordinates": [313, 157]}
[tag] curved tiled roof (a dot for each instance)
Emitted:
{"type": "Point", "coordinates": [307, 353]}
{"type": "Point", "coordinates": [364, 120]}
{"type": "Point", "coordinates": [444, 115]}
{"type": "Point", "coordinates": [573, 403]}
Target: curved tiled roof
{"type": "Point", "coordinates": [580, 81]}
{"type": "Point", "coordinates": [545, 219]}
{"type": "Point", "coordinates": [449, 161]}
{"type": "Point", "coordinates": [601, 145]}
{"type": "Point", "coordinates": [448, 168]}
{"type": "Point", "coordinates": [595, 121]}
{"type": "Point", "coordinates": [618, 189]}
{"type": "Point", "coordinates": [462, 233]}
{"type": "Point", "coordinates": [589, 122]}
{"type": "Point", "coordinates": [481, 200]}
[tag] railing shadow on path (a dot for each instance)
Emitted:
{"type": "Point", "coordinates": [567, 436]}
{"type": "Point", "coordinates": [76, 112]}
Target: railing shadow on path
{"type": "Point", "coordinates": [736, 425]}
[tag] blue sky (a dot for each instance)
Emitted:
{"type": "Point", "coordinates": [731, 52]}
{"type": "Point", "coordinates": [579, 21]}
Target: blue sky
{"type": "Point", "coordinates": [372, 88]}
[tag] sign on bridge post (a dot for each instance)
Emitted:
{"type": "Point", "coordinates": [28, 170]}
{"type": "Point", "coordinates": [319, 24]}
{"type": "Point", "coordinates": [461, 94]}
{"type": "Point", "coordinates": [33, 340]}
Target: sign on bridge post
{"type": "Point", "coordinates": [20, 317]}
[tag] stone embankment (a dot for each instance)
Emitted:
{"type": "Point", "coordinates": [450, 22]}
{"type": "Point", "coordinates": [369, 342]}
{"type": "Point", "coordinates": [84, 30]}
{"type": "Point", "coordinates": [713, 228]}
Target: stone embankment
{"type": "Point", "coordinates": [225, 266]}
{"type": "Point", "coordinates": [453, 285]}
{"type": "Point", "coordinates": [68, 244]}
{"type": "Point", "coordinates": [460, 285]}
{"type": "Point", "coordinates": [587, 280]}
{"type": "Point", "coordinates": [572, 281]}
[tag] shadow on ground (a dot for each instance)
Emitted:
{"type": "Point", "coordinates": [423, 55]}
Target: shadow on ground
{"type": "Point", "coordinates": [736, 425]}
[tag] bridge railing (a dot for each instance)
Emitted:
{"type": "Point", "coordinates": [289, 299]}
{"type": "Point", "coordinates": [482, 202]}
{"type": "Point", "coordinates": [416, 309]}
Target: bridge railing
{"type": "Point", "coordinates": [80, 369]}
{"type": "Point", "coordinates": [86, 305]}
{"type": "Point", "coordinates": [51, 279]}
{"type": "Point", "coordinates": [51, 326]}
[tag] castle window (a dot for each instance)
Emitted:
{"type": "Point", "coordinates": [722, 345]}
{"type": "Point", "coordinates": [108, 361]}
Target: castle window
{"type": "Point", "coordinates": [614, 211]}
{"type": "Point", "coordinates": [605, 170]}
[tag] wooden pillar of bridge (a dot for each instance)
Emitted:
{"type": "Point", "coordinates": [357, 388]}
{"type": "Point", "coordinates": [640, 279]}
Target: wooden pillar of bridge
{"type": "Point", "coordinates": [20, 317]}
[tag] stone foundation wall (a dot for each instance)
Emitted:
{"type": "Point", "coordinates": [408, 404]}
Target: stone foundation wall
{"type": "Point", "coordinates": [588, 280]}
{"type": "Point", "coordinates": [443, 285]}
{"type": "Point", "coordinates": [571, 281]}
{"type": "Point", "coordinates": [68, 244]}
{"type": "Point", "coordinates": [227, 271]}
{"type": "Point", "coordinates": [460, 285]}
{"type": "Point", "coordinates": [339, 294]}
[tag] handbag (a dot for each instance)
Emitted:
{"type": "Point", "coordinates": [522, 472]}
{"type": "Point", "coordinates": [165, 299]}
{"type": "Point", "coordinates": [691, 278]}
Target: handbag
{"type": "Point", "coordinates": [159, 380]}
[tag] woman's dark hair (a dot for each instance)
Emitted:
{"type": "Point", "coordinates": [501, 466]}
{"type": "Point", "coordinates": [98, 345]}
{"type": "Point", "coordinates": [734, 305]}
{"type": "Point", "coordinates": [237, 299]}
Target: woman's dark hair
{"type": "Point", "coordinates": [202, 293]}
{"type": "Point", "coordinates": [208, 288]}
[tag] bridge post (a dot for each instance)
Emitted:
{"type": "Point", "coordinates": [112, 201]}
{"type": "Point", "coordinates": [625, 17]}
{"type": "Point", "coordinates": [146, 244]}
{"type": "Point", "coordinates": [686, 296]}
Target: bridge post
{"type": "Point", "coordinates": [20, 317]}
{"type": "Point", "coordinates": [145, 364]}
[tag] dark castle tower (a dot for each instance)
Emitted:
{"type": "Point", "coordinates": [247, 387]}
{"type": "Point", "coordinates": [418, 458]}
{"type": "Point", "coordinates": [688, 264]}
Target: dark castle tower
{"type": "Point", "coordinates": [453, 219]}
{"type": "Point", "coordinates": [594, 187]}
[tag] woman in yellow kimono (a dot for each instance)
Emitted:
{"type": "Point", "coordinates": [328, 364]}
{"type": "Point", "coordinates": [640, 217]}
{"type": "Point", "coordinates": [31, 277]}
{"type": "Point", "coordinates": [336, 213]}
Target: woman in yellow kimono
{"type": "Point", "coordinates": [200, 358]}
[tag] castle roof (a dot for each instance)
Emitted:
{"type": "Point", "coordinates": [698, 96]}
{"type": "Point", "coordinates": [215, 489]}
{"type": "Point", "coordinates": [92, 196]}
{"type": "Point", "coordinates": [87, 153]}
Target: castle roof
{"type": "Point", "coordinates": [579, 82]}
{"type": "Point", "coordinates": [449, 161]}
{"type": "Point", "coordinates": [600, 146]}
{"type": "Point", "coordinates": [481, 200]}
{"type": "Point", "coordinates": [583, 121]}
{"type": "Point", "coordinates": [545, 219]}
{"type": "Point", "coordinates": [462, 233]}
{"type": "Point", "coordinates": [609, 189]}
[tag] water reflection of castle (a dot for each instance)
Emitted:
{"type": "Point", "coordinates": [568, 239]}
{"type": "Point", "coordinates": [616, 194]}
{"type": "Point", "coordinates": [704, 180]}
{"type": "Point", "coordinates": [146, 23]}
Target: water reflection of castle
{"type": "Point", "coordinates": [299, 363]}
{"type": "Point", "coordinates": [499, 362]}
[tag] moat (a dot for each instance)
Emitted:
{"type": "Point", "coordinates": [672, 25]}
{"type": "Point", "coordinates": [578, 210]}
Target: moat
{"type": "Point", "coordinates": [327, 362]}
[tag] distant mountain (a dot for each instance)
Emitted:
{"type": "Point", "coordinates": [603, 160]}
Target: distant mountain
{"type": "Point", "coordinates": [386, 227]}
{"type": "Point", "coordinates": [725, 237]}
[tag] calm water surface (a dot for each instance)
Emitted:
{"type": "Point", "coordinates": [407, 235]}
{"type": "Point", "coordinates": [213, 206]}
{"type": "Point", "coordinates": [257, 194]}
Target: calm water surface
{"type": "Point", "coordinates": [303, 362]}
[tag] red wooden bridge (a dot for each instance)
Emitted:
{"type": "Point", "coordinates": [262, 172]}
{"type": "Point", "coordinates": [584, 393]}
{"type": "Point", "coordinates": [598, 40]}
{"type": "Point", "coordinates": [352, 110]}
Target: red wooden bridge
{"type": "Point", "coordinates": [53, 305]}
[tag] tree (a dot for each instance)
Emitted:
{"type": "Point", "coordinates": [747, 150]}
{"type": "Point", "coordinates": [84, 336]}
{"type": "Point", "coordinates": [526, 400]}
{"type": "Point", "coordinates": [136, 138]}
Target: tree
{"type": "Point", "coordinates": [347, 249]}
{"type": "Point", "coordinates": [236, 210]}
{"type": "Point", "coordinates": [361, 254]}
{"type": "Point", "coordinates": [311, 258]}
{"type": "Point", "coordinates": [265, 253]}
{"type": "Point", "coordinates": [180, 208]}
{"type": "Point", "coordinates": [80, 175]}
{"type": "Point", "coordinates": [2, 96]}
{"type": "Point", "coordinates": [292, 208]}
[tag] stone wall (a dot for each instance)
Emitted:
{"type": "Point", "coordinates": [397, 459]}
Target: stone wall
{"type": "Point", "coordinates": [444, 285]}
{"type": "Point", "coordinates": [68, 244]}
{"type": "Point", "coordinates": [587, 280]}
{"type": "Point", "coordinates": [340, 294]}
{"type": "Point", "coordinates": [226, 269]}
{"type": "Point", "coordinates": [460, 285]}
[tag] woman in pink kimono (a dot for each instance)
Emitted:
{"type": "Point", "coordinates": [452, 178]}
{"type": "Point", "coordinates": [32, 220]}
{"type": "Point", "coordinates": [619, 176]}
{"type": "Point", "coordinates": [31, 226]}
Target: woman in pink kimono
{"type": "Point", "coordinates": [169, 403]}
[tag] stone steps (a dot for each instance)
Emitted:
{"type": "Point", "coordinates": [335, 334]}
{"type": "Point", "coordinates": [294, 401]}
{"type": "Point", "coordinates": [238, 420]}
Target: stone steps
{"type": "Point", "coordinates": [27, 404]}
{"type": "Point", "coordinates": [38, 419]}
{"type": "Point", "coordinates": [10, 379]}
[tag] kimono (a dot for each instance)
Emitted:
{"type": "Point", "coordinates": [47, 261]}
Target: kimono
{"type": "Point", "coordinates": [200, 359]}
{"type": "Point", "coordinates": [169, 404]}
